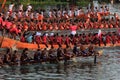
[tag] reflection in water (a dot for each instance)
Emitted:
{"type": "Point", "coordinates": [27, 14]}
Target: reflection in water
{"type": "Point", "coordinates": [107, 68]}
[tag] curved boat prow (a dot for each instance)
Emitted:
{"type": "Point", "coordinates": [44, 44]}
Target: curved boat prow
{"type": "Point", "coordinates": [100, 52]}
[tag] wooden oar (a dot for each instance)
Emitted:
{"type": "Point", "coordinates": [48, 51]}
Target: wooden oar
{"type": "Point", "coordinates": [2, 41]}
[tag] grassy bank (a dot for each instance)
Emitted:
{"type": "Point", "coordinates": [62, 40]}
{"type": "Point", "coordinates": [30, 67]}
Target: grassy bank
{"type": "Point", "coordinates": [83, 3]}
{"type": "Point", "coordinates": [45, 3]}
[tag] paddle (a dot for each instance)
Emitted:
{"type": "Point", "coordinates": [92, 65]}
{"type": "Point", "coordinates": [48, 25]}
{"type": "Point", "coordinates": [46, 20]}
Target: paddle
{"type": "Point", "coordinates": [2, 41]}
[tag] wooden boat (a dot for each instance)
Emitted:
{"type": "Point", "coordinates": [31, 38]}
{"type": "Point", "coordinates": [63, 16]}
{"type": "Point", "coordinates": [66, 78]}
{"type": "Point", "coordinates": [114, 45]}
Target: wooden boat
{"type": "Point", "coordinates": [9, 43]}
{"type": "Point", "coordinates": [6, 42]}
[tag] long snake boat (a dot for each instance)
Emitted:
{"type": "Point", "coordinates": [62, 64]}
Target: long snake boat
{"type": "Point", "coordinates": [8, 43]}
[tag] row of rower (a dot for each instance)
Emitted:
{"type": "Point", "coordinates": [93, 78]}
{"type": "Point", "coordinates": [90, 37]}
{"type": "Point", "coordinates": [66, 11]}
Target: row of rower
{"type": "Point", "coordinates": [51, 55]}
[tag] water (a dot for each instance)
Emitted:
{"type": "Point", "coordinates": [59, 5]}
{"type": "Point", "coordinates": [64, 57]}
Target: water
{"type": "Point", "coordinates": [107, 68]}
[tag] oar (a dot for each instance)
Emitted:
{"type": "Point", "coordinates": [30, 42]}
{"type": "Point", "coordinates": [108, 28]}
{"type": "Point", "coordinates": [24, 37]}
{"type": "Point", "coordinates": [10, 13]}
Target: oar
{"type": "Point", "coordinates": [2, 41]}
{"type": "Point", "coordinates": [95, 59]}
{"type": "Point", "coordinates": [3, 4]}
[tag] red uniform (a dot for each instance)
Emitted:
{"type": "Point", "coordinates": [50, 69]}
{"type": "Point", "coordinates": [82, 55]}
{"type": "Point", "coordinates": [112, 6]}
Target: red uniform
{"type": "Point", "coordinates": [67, 40]}
{"type": "Point", "coordinates": [108, 39]}
{"type": "Point", "coordinates": [59, 39]}
{"type": "Point", "coordinates": [44, 39]}
{"type": "Point", "coordinates": [37, 39]}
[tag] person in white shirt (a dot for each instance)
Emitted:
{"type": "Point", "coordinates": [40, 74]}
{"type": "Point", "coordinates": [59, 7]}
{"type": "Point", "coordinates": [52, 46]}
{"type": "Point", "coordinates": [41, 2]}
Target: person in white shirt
{"type": "Point", "coordinates": [21, 7]}
{"type": "Point", "coordinates": [59, 13]}
{"type": "Point", "coordinates": [29, 8]}
{"type": "Point", "coordinates": [64, 12]}
{"type": "Point", "coordinates": [70, 13]}
{"type": "Point", "coordinates": [10, 8]}
{"type": "Point", "coordinates": [76, 12]}
{"type": "Point", "coordinates": [50, 14]}
{"type": "Point", "coordinates": [36, 15]}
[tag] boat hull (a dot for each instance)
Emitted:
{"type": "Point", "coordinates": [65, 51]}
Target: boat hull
{"type": "Point", "coordinates": [9, 43]}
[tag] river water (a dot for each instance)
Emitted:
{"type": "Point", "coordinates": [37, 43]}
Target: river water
{"type": "Point", "coordinates": [107, 68]}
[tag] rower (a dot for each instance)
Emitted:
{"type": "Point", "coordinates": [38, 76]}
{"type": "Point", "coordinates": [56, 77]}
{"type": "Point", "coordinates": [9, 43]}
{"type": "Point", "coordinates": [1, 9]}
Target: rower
{"type": "Point", "coordinates": [37, 55]}
{"type": "Point", "coordinates": [75, 50]}
{"type": "Point", "coordinates": [60, 53]}
{"type": "Point", "coordinates": [83, 51]}
{"type": "Point", "coordinates": [91, 50]}
{"type": "Point", "coordinates": [44, 55]}
{"type": "Point", "coordinates": [7, 56]}
{"type": "Point", "coordinates": [52, 54]}
{"type": "Point", "coordinates": [1, 61]}
{"type": "Point", "coordinates": [24, 56]}
{"type": "Point", "coordinates": [67, 53]}
{"type": "Point", "coordinates": [15, 57]}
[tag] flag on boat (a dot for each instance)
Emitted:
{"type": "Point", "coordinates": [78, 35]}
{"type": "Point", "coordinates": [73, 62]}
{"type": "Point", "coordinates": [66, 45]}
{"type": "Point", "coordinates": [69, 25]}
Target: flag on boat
{"type": "Point", "coordinates": [99, 33]}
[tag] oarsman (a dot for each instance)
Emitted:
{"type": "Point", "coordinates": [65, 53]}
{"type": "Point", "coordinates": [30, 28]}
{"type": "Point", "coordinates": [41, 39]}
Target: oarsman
{"type": "Point", "coordinates": [114, 38]}
{"type": "Point", "coordinates": [83, 38]}
{"type": "Point", "coordinates": [91, 50]}
{"type": "Point", "coordinates": [1, 60]}
{"type": "Point", "coordinates": [7, 56]}
{"type": "Point", "coordinates": [74, 39]}
{"type": "Point", "coordinates": [53, 54]}
{"type": "Point", "coordinates": [15, 57]}
{"type": "Point", "coordinates": [44, 55]}
{"type": "Point", "coordinates": [59, 39]}
{"type": "Point", "coordinates": [29, 38]}
{"type": "Point", "coordinates": [52, 39]}
{"type": "Point", "coordinates": [38, 39]}
{"type": "Point", "coordinates": [67, 40]}
{"type": "Point", "coordinates": [60, 53]}
{"type": "Point", "coordinates": [83, 51]}
{"type": "Point", "coordinates": [37, 55]}
{"type": "Point", "coordinates": [75, 49]}
{"type": "Point", "coordinates": [24, 56]}
{"type": "Point", "coordinates": [22, 38]}
{"type": "Point", "coordinates": [104, 40]}
{"type": "Point", "coordinates": [45, 39]}
{"type": "Point", "coordinates": [68, 54]}
{"type": "Point", "coordinates": [108, 39]}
